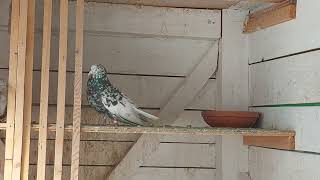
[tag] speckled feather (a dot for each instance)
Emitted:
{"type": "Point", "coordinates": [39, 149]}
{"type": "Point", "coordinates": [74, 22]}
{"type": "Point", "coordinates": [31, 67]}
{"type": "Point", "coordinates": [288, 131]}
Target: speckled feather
{"type": "Point", "coordinates": [108, 100]}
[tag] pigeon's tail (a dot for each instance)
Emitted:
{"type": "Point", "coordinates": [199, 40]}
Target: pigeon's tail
{"type": "Point", "coordinates": [146, 115]}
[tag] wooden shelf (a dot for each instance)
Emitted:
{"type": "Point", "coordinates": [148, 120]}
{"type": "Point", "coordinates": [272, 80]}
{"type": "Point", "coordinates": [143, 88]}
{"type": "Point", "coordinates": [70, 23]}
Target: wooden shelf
{"type": "Point", "coordinates": [171, 130]}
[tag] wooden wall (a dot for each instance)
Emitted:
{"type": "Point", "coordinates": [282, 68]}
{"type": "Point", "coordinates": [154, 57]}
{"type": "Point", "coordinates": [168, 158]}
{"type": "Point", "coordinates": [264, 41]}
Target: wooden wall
{"type": "Point", "coordinates": [284, 80]}
{"type": "Point", "coordinates": [148, 53]}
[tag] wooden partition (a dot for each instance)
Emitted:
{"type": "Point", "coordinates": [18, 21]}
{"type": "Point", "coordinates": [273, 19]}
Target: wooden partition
{"type": "Point", "coordinates": [20, 89]}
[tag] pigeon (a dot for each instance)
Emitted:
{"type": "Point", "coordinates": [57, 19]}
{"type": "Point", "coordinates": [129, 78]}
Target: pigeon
{"type": "Point", "coordinates": [109, 101]}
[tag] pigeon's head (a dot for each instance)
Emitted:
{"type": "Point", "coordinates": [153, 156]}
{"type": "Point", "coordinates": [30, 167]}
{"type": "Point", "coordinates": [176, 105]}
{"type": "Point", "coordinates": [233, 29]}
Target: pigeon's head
{"type": "Point", "coordinates": [97, 71]}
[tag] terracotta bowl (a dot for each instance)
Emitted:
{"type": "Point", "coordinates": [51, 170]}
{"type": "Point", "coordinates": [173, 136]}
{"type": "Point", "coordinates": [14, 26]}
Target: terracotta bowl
{"type": "Point", "coordinates": [233, 119]}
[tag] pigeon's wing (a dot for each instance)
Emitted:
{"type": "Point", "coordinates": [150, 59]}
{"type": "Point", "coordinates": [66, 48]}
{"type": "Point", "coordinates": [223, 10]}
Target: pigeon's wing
{"type": "Point", "coordinates": [94, 100]}
{"type": "Point", "coordinates": [123, 111]}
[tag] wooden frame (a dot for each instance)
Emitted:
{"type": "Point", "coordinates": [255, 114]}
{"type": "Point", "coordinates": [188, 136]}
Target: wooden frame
{"type": "Point", "coordinates": [271, 16]}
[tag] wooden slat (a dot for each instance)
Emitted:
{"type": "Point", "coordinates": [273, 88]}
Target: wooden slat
{"type": "Point", "coordinates": [63, 47]}
{"type": "Point", "coordinates": [77, 91]}
{"type": "Point", "coordinates": [136, 157]}
{"type": "Point", "coordinates": [28, 91]}
{"type": "Point", "coordinates": [271, 16]}
{"type": "Point", "coordinates": [276, 142]}
{"type": "Point", "coordinates": [43, 117]}
{"type": "Point", "coordinates": [191, 86]}
{"type": "Point", "coordinates": [12, 89]}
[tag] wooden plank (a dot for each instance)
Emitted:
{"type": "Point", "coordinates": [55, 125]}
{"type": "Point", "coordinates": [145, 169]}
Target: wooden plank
{"type": "Point", "coordinates": [28, 91]}
{"type": "Point", "coordinates": [145, 91]}
{"type": "Point", "coordinates": [107, 153]}
{"type": "Point", "coordinates": [191, 86]}
{"type": "Point", "coordinates": [161, 60]}
{"type": "Point", "coordinates": [43, 117]}
{"type": "Point", "coordinates": [101, 172]}
{"type": "Point", "coordinates": [94, 153]}
{"type": "Point", "coordinates": [150, 21]}
{"type": "Point", "coordinates": [271, 16]}
{"type": "Point", "coordinates": [232, 92]}
{"type": "Point", "coordinates": [86, 172]}
{"type": "Point", "coordinates": [137, 155]}
{"type": "Point", "coordinates": [276, 41]}
{"type": "Point", "coordinates": [217, 4]}
{"type": "Point", "coordinates": [12, 83]}
{"type": "Point", "coordinates": [183, 155]}
{"type": "Point", "coordinates": [171, 130]}
{"type": "Point", "coordinates": [122, 50]}
{"type": "Point", "coordinates": [304, 120]}
{"type": "Point", "coordinates": [174, 173]}
{"type": "Point", "coordinates": [63, 46]}
{"type": "Point", "coordinates": [265, 164]}
{"type": "Point", "coordinates": [75, 154]}
{"type": "Point", "coordinates": [279, 142]}
{"type": "Point", "coordinates": [286, 81]}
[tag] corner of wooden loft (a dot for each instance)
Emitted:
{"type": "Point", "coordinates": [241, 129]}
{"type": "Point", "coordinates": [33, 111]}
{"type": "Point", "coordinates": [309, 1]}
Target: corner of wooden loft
{"type": "Point", "coordinates": [275, 14]}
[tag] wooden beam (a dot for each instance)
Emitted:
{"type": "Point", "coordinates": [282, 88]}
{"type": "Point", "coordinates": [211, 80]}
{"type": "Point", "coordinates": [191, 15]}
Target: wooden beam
{"type": "Point", "coordinates": [271, 16]}
{"type": "Point", "coordinates": [207, 4]}
{"type": "Point", "coordinates": [277, 142]}
{"type": "Point", "coordinates": [75, 156]}
{"type": "Point", "coordinates": [137, 155]}
{"type": "Point", "coordinates": [27, 115]}
{"type": "Point", "coordinates": [12, 83]}
{"type": "Point", "coordinates": [63, 48]}
{"type": "Point", "coordinates": [43, 116]}
{"type": "Point", "coordinates": [191, 86]}
{"type": "Point", "coordinates": [169, 130]}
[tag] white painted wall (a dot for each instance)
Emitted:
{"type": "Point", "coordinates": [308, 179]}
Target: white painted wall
{"type": "Point", "coordinates": [287, 80]}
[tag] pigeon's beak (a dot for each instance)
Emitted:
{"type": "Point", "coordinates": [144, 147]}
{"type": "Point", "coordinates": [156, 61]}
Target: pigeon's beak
{"type": "Point", "coordinates": [90, 74]}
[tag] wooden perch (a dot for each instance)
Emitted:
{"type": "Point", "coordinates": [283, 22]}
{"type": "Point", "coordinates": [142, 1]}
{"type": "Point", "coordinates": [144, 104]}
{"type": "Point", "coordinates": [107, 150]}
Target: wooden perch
{"type": "Point", "coordinates": [169, 130]}
{"type": "Point", "coordinates": [271, 16]}
{"type": "Point", "coordinates": [277, 142]}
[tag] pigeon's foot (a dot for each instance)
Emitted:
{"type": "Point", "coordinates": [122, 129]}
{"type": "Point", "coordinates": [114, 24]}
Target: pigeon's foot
{"type": "Point", "coordinates": [115, 123]}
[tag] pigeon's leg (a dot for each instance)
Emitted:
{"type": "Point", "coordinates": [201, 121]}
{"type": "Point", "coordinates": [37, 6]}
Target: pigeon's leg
{"type": "Point", "coordinates": [115, 121]}
{"type": "Point", "coordinates": [105, 118]}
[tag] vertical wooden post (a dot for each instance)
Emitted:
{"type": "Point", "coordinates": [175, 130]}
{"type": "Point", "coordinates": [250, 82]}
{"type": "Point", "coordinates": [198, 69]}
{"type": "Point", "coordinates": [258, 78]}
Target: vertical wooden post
{"type": "Point", "coordinates": [12, 82]}
{"type": "Point", "coordinates": [43, 117]}
{"type": "Point", "coordinates": [17, 154]}
{"type": "Point", "coordinates": [63, 45]}
{"type": "Point", "coordinates": [28, 91]}
{"type": "Point", "coordinates": [77, 91]}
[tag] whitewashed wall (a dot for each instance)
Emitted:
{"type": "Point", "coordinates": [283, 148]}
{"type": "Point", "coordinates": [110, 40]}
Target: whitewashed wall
{"type": "Point", "coordinates": [148, 52]}
{"type": "Point", "coordinates": [282, 88]}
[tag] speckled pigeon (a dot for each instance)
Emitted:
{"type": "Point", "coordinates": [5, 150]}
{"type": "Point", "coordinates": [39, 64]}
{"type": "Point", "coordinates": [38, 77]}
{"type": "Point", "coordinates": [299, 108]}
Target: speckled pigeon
{"type": "Point", "coordinates": [108, 100]}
